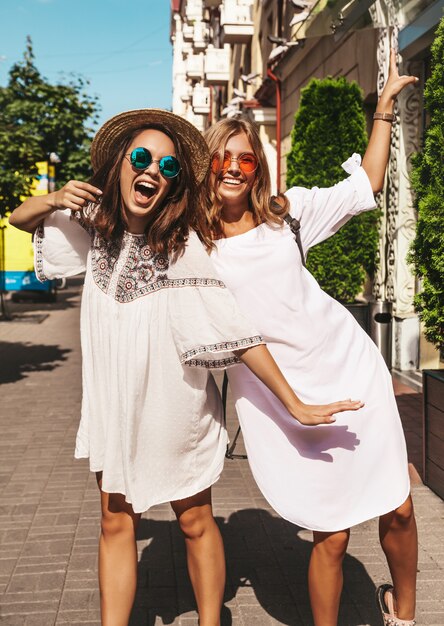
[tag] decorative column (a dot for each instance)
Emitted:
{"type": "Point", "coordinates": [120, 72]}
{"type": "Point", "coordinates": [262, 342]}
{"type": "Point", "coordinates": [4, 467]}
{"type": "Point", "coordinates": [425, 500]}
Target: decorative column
{"type": "Point", "coordinates": [394, 280]}
{"type": "Point", "coordinates": [406, 323]}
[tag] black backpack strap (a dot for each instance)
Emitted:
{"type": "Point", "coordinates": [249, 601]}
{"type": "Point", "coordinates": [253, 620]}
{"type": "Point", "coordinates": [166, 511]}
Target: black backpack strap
{"type": "Point", "coordinates": [295, 227]}
{"type": "Point", "coordinates": [229, 453]}
{"type": "Point", "coordinates": [224, 397]}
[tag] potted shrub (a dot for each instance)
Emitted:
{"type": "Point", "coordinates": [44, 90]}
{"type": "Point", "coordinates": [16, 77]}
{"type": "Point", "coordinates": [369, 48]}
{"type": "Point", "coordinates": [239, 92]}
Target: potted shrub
{"type": "Point", "coordinates": [329, 126]}
{"type": "Point", "coordinates": [427, 256]}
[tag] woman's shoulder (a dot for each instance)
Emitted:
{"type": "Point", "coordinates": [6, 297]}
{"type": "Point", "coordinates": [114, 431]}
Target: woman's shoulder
{"type": "Point", "coordinates": [296, 196]}
{"type": "Point", "coordinates": [194, 261]}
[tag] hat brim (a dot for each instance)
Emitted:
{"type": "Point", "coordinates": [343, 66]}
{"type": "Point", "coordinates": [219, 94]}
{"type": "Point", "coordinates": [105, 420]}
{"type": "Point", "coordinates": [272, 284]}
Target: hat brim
{"type": "Point", "coordinates": [124, 123]}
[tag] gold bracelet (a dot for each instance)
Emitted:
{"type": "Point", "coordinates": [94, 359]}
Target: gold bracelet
{"type": "Point", "coordinates": [385, 117]}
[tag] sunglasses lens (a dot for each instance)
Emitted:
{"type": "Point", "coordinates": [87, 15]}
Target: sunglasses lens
{"type": "Point", "coordinates": [248, 163]}
{"type": "Point", "coordinates": [215, 164]}
{"type": "Point", "coordinates": [227, 161]}
{"type": "Point", "coordinates": [140, 158]}
{"type": "Point", "coordinates": [169, 166]}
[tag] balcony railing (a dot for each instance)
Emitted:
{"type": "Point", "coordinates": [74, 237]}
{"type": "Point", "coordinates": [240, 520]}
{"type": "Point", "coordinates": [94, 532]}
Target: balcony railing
{"type": "Point", "coordinates": [236, 20]}
{"type": "Point", "coordinates": [217, 65]}
{"type": "Point", "coordinates": [186, 92]}
{"type": "Point", "coordinates": [201, 36]}
{"type": "Point", "coordinates": [187, 49]}
{"type": "Point", "coordinates": [196, 119]}
{"type": "Point", "coordinates": [188, 32]}
{"type": "Point", "coordinates": [195, 66]}
{"type": "Point", "coordinates": [194, 10]}
{"type": "Point", "coordinates": [201, 99]}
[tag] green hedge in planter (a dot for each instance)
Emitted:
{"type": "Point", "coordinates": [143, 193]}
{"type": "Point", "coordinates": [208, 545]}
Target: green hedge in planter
{"type": "Point", "coordinates": [427, 252]}
{"type": "Point", "coordinates": [329, 127]}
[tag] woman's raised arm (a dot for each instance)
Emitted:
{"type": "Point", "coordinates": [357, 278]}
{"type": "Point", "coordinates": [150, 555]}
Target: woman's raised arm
{"type": "Point", "coordinates": [376, 156]}
{"type": "Point", "coordinates": [74, 195]}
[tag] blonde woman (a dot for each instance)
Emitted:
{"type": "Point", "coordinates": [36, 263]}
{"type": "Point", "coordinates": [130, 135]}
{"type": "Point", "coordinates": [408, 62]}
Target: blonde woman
{"type": "Point", "coordinates": [329, 478]}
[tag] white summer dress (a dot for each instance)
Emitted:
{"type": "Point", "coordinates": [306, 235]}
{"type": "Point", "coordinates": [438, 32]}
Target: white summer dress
{"type": "Point", "coordinates": [152, 424]}
{"type": "Point", "coordinates": [328, 477]}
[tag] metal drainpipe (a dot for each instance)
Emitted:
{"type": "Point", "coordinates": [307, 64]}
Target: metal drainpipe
{"type": "Point", "coordinates": [278, 126]}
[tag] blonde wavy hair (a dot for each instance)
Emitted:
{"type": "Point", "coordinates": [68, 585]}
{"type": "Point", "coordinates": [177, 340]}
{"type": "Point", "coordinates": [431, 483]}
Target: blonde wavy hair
{"type": "Point", "coordinates": [263, 206]}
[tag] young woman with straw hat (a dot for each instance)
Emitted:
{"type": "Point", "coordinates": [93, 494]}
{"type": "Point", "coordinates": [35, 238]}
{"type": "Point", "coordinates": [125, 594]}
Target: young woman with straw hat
{"type": "Point", "coordinates": [154, 320]}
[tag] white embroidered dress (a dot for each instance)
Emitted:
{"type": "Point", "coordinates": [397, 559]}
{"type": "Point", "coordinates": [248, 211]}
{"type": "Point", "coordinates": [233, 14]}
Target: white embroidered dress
{"type": "Point", "coordinates": [152, 424]}
{"type": "Point", "coordinates": [325, 478]}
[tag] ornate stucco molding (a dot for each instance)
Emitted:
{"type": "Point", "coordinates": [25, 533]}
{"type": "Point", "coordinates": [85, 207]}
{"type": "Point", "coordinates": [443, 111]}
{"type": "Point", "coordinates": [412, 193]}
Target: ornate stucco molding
{"type": "Point", "coordinates": [409, 124]}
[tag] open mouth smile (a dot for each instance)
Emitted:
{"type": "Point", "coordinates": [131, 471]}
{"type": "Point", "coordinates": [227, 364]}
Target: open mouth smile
{"type": "Point", "coordinates": [233, 182]}
{"type": "Point", "coordinates": [144, 191]}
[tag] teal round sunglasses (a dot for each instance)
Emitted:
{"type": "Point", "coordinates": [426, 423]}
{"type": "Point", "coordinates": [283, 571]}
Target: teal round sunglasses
{"type": "Point", "coordinates": [141, 158]}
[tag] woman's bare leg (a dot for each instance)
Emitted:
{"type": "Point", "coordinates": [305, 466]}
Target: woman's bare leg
{"type": "Point", "coordinates": [205, 554]}
{"type": "Point", "coordinates": [399, 540]}
{"type": "Point", "coordinates": [325, 577]}
{"type": "Point", "coordinates": [117, 558]}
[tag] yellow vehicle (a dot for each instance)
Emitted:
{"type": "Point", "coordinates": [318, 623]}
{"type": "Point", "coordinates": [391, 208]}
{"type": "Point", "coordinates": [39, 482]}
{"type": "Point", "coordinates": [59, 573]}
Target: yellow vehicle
{"type": "Point", "coordinates": [18, 253]}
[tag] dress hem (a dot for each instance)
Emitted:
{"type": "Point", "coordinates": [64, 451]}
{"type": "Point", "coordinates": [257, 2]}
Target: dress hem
{"type": "Point", "coordinates": [343, 526]}
{"type": "Point", "coordinates": [182, 496]}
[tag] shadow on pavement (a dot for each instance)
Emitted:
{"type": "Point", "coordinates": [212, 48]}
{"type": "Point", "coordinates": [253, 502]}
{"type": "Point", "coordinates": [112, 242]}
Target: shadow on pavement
{"type": "Point", "coordinates": [266, 561]}
{"type": "Point", "coordinates": [17, 360]}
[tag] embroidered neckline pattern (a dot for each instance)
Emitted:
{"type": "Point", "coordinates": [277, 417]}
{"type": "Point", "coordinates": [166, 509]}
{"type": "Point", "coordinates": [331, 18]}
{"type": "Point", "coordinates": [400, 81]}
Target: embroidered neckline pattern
{"type": "Point", "coordinates": [142, 269]}
{"type": "Point", "coordinates": [103, 259]}
{"type": "Point", "coordinates": [142, 272]}
{"type": "Point", "coordinates": [226, 346]}
{"type": "Point", "coordinates": [138, 273]}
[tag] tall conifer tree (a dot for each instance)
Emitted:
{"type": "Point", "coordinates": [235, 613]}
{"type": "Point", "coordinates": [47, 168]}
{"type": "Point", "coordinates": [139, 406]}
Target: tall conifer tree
{"type": "Point", "coordinates": [329, 128]}
{"type": "Point", "coordinates": [428, 181]}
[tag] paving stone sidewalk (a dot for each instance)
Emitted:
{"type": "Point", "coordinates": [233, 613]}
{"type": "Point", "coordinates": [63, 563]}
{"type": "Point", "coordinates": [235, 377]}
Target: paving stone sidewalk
{"type": "Point", "coordinates": [49, 511]}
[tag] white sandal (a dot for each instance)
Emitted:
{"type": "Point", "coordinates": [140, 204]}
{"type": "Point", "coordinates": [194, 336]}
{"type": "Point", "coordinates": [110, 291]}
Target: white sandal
{"type": "Point", "coordinates": [387, 607]}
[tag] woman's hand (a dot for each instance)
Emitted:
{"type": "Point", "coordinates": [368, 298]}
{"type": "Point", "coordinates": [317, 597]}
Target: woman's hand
{"type": "Point", "coordinates": [259, 360]}
{"type": "Point", "coordinates": [316, 414]}
{"type": "Point", "coordinates": [75, 195]}
{"type": "Point", "coordinates": [377, 154]}
{"type": "Point", "coordinates": [394, 85]}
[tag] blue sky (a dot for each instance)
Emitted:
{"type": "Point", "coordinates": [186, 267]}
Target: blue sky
{"type": "Point", "coordinates": [121, 46]}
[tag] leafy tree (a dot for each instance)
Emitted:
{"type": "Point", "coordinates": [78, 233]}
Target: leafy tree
{"type": "Point", "coordinates": [38, 118]}
{"type": "Point", "coordinates": [427, 253]}
{"type": "Point", "coordinates": [329, 127]}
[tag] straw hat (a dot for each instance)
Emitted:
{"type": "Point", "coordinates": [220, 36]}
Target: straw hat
{"type": "Point", "coordinates": [124, 123]}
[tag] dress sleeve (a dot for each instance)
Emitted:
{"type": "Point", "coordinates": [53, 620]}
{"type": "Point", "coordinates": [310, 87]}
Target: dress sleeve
{"type": "Point", "coordinates": [322, 211]}
{"type": "Point", "coordinates": [208, 326]}
{"type": "Point", "coordinates": [205, 319]}
{"type": "Point", "coordinates": [61, 247]}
